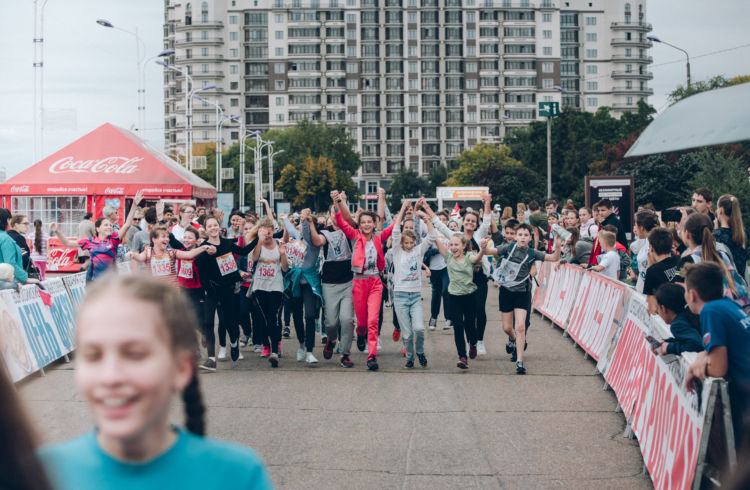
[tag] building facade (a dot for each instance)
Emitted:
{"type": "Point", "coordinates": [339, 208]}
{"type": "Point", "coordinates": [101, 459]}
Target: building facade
{"type": "Point", "coordinates": [415, 82]}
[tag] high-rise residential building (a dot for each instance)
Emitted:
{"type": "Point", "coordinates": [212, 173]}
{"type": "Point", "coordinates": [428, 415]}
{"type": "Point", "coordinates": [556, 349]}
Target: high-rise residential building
{"type": "Point", "coordinates": [415, 82]}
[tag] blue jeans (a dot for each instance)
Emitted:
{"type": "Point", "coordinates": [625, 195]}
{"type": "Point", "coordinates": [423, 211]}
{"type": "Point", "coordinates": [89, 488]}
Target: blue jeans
{"type": "Point", "coordinates": [439, 281]}
{"type": "Point", "coordinates": [408, 307]}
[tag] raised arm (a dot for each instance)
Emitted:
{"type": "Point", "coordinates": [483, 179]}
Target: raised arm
{"type": "Point", "coordinates": [482, 247]}
{"type": "Point", "coordinates": [341, 202]}
{"type": "Point", "coordinates": [63, 239]}
{"type": "Point", "coordinates": [290, 228]}
{"type": "Point", "coordinates": [441, 247]}
{"type": "Point", "coordinates": [484, 229]}
{"type": "Point", "coordinates": [317, 239]}
{"type": "Point", "coordinates": [266, 206]}
{"type": "Point", "coordinates": [554, 257]}
{"type": "Point", "coordinates": [136, 256]}
{"type": "Point", "coordinates": [129, 220]}
{"type": "Point", "coordinates": [431, 237]}
{"type": "Point", "coordinates": [381, 204]}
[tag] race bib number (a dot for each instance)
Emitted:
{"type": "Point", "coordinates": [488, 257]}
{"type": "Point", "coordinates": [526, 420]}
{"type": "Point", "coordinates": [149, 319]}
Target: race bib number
{"type": "Point", "coordinates": [266, 270]}
{"type": "Point", "coordinates": [186, 269]}
{"type": "Point", "coordinates": [161, 266]}
{"type": "Point", "coordinates": [226, 264]}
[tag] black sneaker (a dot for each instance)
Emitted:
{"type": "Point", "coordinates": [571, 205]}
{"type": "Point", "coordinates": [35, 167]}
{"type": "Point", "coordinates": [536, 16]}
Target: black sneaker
{"type": "Point", "coordinates": [328, 349]}
{"type": "Point", "coordinates": [510, 346]}
{"type": "Point", "coordinates": [462, 363]}
{"type": "Point", "coordinates": [422, 360]}
{"type": "Point", "coordinates": [372, 364]}
{"type": "Point", "coordinates": [361, 342]}
{"type": "Point", "coordinates": [346, 362]}
{"type": "Point", "coordinates": [208, 365]}
{"type": "Point", "coordinates": [409, 364]}
{"type": "Point", "coordinates": [286, 332]}
{"type": "Point", "coordinates": [519, 368]}
{"type": "Point", "coordinates": [274, 360]}
{"type": "Point", "coordinates": [514, 355]}
{"type": "Point", "coordinates": [234, 351]}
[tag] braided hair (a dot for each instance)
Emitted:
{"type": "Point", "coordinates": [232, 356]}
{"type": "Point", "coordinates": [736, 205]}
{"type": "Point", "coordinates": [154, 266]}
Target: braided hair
{"type": "Point", "coordinates": [177, 318]}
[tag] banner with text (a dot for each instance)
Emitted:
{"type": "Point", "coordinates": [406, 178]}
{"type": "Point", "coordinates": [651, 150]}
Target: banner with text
{"type": "Point", "coordinates": [558, 286]}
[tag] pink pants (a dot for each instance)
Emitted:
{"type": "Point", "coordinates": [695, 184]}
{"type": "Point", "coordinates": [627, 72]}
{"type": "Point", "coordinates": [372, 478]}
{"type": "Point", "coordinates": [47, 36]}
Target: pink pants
{"type": "Point", "coordinates": [42, 266]}
{"type": "Point", "coordinates": [366, 293]}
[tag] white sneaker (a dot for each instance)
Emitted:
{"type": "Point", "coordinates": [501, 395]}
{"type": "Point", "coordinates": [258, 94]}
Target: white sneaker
{"type": "Point", "coordinates": [448, 325]}
{"type": "Point", "coordinates": [301, 354]}
{"type": "Point", "coordinates": [481, 351]}
{"type": "Point", "coordinates": [241, 356]}
{"type": "Point", "coordinates": [258, 349]}
{"type": "Point", "coordinates": [310, 358]}
{"type": "Point", "coordinates": [380, 346]}
{"type": "Point", "coordinates": [222, 354]}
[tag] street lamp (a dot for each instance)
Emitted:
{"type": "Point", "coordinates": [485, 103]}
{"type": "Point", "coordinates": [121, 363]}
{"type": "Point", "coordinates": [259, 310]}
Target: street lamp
{"type": "Point", "coordinates": [270, 176]}
{"type": "Point", "coordinates": [657, 40]}
{"type": "Point", "coordinates": [258, 150]}
{"type": "Point", "coordinates": [549, 146]}
{"type": "Point", "coordinates": [38, 81]}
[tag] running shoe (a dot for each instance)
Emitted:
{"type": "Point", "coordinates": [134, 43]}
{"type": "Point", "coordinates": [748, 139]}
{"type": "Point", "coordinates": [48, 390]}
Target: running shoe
{"type": "Point", "coordinates": [473, 351]}
{"type": "Point", "coordinates": [258, 348]}
{"type": "Point", "coordinates": [266, 351]}
{"type": "Point", "coordinates": [286, 332]}
{"type": "Point", "coordinates": [301, 354]}
{"type": "Point", "coordinates": [520, 369]}
{"type": "Point", "coordinates": [372, 363]}
{"type": "Point", "coordinates": [328, 349]}
{"type": "Point", "coordinates": [510, 346]}
{"type": "Point", "coordinates": [481, 351]}
{"type": "Point", "coordinates": [346, 362]}
{"type": "Point", "coordinates": [514, 355]}
{"type": "Point", "coordinates": [422, 360]}
{"type": "Point", "coordinates": [403, 352]}
{"type": "Point", "coordinates": [432, 324]}
{"type": "Point", "coordinates": [234, 351]}
{"type": "Point", "coordinates": [462, 363]}
{"type": "Point", "coordinates": [310, 359]}
{"type": "Point", "coordinates": [243, 340]}
{"type": "Point", "coordinates": [448, 325]}
{"type": "Point", "coordinates": [396, 335]}
{"type": "Point", "coordinates": [323, 338]}
{"type": "Point", "coordinates": [274, 359]}
{"type": "Point", "coordinates": [361, 342]}
{"type": "Point", "coordinates": [222, 353]}
{"type": "Point", "coordinates": [241, 357]}
{"type": "Point", "coordinates": [209, 365]}
{"type": "Point", "coordinates": [409, 364]}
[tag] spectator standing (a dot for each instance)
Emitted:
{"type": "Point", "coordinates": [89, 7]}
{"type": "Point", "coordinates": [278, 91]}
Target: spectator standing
{"type": "Point", "coordinates": [730, 230]}
{"type": "Point", "coordinates": [10, 252]}
{"type": "Point", "coordinates": [19, 227]}
{"type": "Point", "coordinates": [587, 223]}
{"type": "Point", "coordinates": [39, 240]}
{"type": "Point", "coordinates": [702, 202]}
{"type": "Point", "coordinates": [684, 325]}
{"type": "Point", "coordinates": [664, 266]}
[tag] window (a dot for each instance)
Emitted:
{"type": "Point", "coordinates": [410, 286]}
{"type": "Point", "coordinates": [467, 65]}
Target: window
{"type": "Point", "coordinates": [546, 17]}
{"type": "Point", "coordinates": [592, 69]}
{"type": "Point", "coordinates": [547, 34]}
{"type": "Point", "coordinates": [592, 85]}
{"type": "Point", "coordinates": [279, 101]}
{"type": "Point", "coordinates": [280, 117]}
{"type": "Point", "coordinates": [204, 51]}
{"type": "Point", "coordinates": [591, 53]}
{"type": "Point", "coordinates": [352, 84]}
{"type": "Point", "coordinates": [628, 100]}
{"type": "Point", "coordinates": [591, 36]}
{"type": "Point", "coordinates": [234, 69]}
{"type": "Point", "coordinates": [279, 18]}
{"type": "Point", "coordinates": [279, 84]}
{"type": "Point", "coordinates": [234, 53]}
{"type": "Point", "coordinates": [351, 18]}
{"type": "Point", "coordinates": [234, 85]}
{"type": "Point", "coordinates": [471, 83]}
{"type": "Point", "coordinates": [279, 51]}
{"type": "Point", "coordinates": [590, 21]}
{"type": "Point", "coordinates": [547, 51]}
{"type": "Point", "coordinates": [279, 34]}
{"type": "Point", "coordinates": [548, 67]}
{"type": "Point", "coordinates": [628, 52]}
{"type": "Point", "coordinates": [67, 211]}
{"type": "Point", "coordinates": [547, 82]}
{"type": "Point", "coordinates": [232, 19]}
{"type": "Point", "coordinates": [279, 67]}
{"type": "Point", "coordinates": [471, 67]}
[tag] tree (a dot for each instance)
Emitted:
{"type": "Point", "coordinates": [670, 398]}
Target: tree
{"type": "Point", "coordinates": [682, 92]}
{"type": "Point", "coordinates": [313, 181]}
{"type": "Point", "coordinates": [407, 184]}
{"type": "Point", "coordinates": [481, 157]}
{"type": "Point", "coordinates": [511, 184]}
{"type": "Point", "coordinates": [662, 180]}
{"type": "Point", "coordinates": [437, 177]}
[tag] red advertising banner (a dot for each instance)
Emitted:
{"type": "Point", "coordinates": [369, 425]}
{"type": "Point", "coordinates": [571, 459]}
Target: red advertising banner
{"type": "Point", "coordinates": [598, 300]}
{"type": "Point", "coordinates": [60, 258]}
{"type": "Point", "coordinates": [558, 286]}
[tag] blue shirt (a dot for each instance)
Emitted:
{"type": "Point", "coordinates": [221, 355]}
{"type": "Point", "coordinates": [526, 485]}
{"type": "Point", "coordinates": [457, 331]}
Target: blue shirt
{"type": "Point", "coordinates": [192, 462]}
{"type": "Point", "coordinates": [725, 324]}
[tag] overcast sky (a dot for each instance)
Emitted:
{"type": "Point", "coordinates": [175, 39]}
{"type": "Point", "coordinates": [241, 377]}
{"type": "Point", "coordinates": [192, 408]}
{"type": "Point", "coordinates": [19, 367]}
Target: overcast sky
{"type": "Point", "coordinates": [92, 69]}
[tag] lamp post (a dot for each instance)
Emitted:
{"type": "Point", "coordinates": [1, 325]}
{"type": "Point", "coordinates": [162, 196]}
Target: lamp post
{"type": "Point", "coordinates": [244, 134]}
{"type": "Point", "coordinates": [657, 40]}
{"type": "Point", "coordinates": [38, 80]}
{"type": "Point", "coordinates": [258, 151]}
{"type": "Point", "coordinates": [221, 118]}
{"type": "Point", "coordinates": [140, 51]}
{"type": "Point", "coordinates": [270, 176]}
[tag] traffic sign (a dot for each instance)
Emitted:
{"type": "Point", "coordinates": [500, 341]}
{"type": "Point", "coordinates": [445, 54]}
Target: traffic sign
{"type": "Point", "coordinates": [549, 109]}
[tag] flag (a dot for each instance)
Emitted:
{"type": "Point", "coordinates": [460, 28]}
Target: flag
{"type": "Point", "coordinates": [455, 214]}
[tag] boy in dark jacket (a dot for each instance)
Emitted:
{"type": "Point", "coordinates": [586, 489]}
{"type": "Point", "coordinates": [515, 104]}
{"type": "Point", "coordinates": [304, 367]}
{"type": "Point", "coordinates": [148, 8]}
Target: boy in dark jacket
{"type": "Point", "coordinates": [684, 325]}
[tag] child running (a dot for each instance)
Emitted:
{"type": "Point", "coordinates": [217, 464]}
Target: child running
{"type": "Point", "coordinates": [127, 370]}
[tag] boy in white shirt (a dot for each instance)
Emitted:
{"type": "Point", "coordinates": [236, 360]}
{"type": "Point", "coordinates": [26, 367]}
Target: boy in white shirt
{"type": "Point", "coordinates": [609, 261]}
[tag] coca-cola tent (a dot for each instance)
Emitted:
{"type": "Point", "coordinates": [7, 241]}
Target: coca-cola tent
{"type": "Point", "coordinates": [104, 167]}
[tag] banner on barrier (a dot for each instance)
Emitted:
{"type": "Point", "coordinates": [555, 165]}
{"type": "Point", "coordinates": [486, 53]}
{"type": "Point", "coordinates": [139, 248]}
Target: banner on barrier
{"type": "Point", "coordinates": [598, 301]}
{"type": "Point", "coordinates": [76, 285]}
{"type": "Point", "coordinates": [557, 291]}
{"type": "Point", "coordinates": [14, 346]}
{"type": "Point", "coordinates": [62, 311]}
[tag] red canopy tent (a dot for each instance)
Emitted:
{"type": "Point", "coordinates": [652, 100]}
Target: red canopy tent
{"type": "Point", "coordinates": [104, 167]}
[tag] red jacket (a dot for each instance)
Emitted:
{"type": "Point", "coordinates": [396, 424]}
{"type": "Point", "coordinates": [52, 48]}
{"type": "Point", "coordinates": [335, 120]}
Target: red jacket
{"type": "Point", "coordinates": [358, 258]}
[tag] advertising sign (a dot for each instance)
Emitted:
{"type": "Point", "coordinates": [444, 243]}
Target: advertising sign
{"type": "Point", "coordinates": [618, 189]}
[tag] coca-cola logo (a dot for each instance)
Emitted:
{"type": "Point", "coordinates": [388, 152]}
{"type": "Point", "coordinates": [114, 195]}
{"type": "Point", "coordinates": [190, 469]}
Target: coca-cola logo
{"type": "Point", "coordinates": [108, 165]}
{"type": "Point", "coordinates": [60, 257]}
{"type": "Point", "coordinates": [19, 188]}
{"type": "Point", "coordinates": [114, 190]}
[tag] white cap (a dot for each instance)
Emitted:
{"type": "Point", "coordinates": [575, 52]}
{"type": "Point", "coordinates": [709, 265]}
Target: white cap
{"type": "Point", "coordinates": [6, 272]}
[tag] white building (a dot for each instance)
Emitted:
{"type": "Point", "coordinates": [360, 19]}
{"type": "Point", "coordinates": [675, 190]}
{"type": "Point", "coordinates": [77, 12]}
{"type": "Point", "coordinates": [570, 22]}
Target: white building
{"type": "Point", "coordinates": [414, 81]}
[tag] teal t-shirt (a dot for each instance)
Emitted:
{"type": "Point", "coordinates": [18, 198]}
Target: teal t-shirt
{"type": "Point", "coordinates": [461, 275]}
{"type": "Point", "coordinates": [192, 462]}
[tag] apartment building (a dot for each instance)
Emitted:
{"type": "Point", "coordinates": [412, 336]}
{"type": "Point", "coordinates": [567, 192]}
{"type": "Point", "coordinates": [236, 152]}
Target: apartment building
{"type": "Point", "coordinates": [415, 82]}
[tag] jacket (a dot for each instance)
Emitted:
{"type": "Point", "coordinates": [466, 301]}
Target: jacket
{"type": "Point", "coordinates": [358, 257]}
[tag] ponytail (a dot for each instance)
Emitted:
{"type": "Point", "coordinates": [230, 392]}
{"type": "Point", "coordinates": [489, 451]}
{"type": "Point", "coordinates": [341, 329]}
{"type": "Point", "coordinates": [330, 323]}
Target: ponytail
{"type": "Point", "coordinates": [38, 236]}
{"type": "Point", "coordinates": [700, 228]}
{"type": "Point", "coordinates": [731, 207]}
{"type": "Point", "coordinates": [194, 408]}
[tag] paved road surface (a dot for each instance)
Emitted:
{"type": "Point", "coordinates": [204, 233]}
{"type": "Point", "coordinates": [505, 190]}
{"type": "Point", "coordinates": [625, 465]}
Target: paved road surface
{"type": "Point", "coordinates": [436, 428]}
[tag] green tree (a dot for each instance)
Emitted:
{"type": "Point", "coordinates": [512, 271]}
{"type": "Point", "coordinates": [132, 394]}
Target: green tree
{"type": "Point", "coordinates": [662, 180]}
{"type": "Point", "coordinates": [682, 92]}
{"type": "Point", "coordinates": [511, 184]}
{"type": "Point", "coordinates": [437, 177]}
{"type": "Point", "coordinates": [407, 184]}
{"type": "Point", "coordinates": [481, 157]}
{"type": "Point", "coordinates": [313, 180]}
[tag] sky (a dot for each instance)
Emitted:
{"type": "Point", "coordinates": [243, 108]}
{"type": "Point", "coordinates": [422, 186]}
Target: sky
{"type": "Point", "coordinates": [93, 71]}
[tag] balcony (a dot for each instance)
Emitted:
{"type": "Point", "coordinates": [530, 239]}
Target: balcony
{"type": "Point", "coordinates": [199, 59]}
{"type": "Point", "coordinates": [635, 26]}
{"type": "Point", "coordinates": [635, 43]}
{"type": "Point", "coordinates": [208, 74]}
{"type": "Point", "coordinates": [632, 74]}
{"type": "Point", "coordinates": [621, 58]}
{"type": "Point", "coordinates": [633, 91]}
{"type": "Point", "coordinates": [197, 24]}
{"type": "Point", "coordinates": [625, 107]}
{"type": "Point", "coordinates": [199, 42]}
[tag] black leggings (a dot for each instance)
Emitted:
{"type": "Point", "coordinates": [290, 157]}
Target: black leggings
{"type": "Point", "coordinates": [480, 304]}
{"type": "Point", "coordinates": [307, 305]}
{"type": "Point", "coordinates": [265, 306]}
{"type": "Point", "coordinates": [197, 297]}
{"type": "Point", "coordinates": [462, 310]}
{"type": "Point", "coordinates": [222, 298]}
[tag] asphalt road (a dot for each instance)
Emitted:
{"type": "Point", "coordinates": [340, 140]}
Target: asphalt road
{"type": "Point", "coordinates": [327, 427]}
